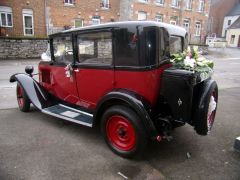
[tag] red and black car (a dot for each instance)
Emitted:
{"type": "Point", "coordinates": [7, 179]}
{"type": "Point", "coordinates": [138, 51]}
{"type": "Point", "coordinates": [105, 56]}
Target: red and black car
{"type": "Point", "coordinates": [119, 76]}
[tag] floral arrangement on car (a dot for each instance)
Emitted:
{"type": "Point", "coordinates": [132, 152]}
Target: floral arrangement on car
{"type": "Point", "coordinates": [191, 60]}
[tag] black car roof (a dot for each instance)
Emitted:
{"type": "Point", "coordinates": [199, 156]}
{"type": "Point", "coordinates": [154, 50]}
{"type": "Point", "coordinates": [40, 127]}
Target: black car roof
{"type": "Point", "coordinates": [172, 29]}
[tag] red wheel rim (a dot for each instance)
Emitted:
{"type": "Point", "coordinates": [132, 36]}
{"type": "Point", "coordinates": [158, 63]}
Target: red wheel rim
{"type": "Point", "coordinates": [121, 133]}
{"type": "Point", "coordinates": [211, 117]}
{"type": "Point", "coordinates": [20, 98]}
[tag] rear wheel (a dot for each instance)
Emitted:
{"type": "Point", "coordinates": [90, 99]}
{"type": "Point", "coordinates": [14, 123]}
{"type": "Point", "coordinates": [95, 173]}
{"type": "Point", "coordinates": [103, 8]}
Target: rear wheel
{"type": "Point", "coordinates": [123, 131]}
{"type": "Point", "coordinates": [22, 99]}
{"type": "Point", "coordinates": [205, 116]}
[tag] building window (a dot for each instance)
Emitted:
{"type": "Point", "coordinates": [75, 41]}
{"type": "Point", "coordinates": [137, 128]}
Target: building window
{"type": "Point", "coordinates": [78, 23]}
{"type": "Point", "coordinates": [186, 24]}
{"type": "Point", "coordinates": [159, 18]}
{"type": "Point", "coordinates": [229, 22]}
{"type": "Point", "coordinates": [175, 3]}
{"type": "Point", "coordinates": [69, 2]}
{"type": "Point", "coordinates": [189, 4]}
{"type": "Point", "coordinates": [96, 20]}
{"type": "Point", "coordinates": [201, 5]}
{"type": "Point", "coordinates": [232, 39]}
{"type": "Point", "coordinates": [198, 29]}
{"type": "Point", "coordinates": [6, 16]}
{"type": "Point", "coordinates": [28, 25]}
{"type": "Point", "coordinates": [161, 2]}
{"type": "Point", "coordinates": [144, 1]}
{"type": "Point", "coordinates": [142, 16]}
{"type": "Point", "coordinates": [105, 4]}
{"type": "Point", "coordinates": [173, 22]}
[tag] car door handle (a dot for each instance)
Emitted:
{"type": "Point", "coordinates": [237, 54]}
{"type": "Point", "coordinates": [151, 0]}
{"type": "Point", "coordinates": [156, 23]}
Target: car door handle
{"type": "Point", "coordinates": [76, 70]}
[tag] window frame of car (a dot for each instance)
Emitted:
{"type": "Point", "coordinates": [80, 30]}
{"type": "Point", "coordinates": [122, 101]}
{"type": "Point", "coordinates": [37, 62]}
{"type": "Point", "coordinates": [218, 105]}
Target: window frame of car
{"type": "Point", "coordinates": [77, 62]}
{"type": "Point", "coordinates": [51, 39]}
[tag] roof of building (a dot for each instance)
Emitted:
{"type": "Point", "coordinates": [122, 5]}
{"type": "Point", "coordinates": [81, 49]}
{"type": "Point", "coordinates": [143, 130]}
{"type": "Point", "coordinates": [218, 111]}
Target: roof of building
{"type": "Point", "coordinates": [235, 25]}
{"type": "Point", "coordinates": [172, 29]}
{"type": "Point", "coordinates": [235, 11]}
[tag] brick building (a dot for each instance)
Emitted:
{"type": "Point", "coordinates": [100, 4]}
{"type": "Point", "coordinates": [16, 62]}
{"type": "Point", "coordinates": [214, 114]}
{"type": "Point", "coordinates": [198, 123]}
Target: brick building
{"type": "Point", "coordinates": [22, 18]}
{"type": "Point", "coordinates": [49, 16]}
{"type": "Point", "coordinates": [190, 14]}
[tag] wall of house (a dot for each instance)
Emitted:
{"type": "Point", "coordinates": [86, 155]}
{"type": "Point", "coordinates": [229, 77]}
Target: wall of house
{"type": "Point", "coordinates": [231, 32]}
{"type": "Point", "coordinates": [21, 48]}
{"type": "Point", "coordinates": [181, 13]}
{"type": "Point", "coordinates": [225, 23]}
{"type": "Point", "coordinates": [61, 15]}
{"type": "Point", "coordinates": [17, 6]}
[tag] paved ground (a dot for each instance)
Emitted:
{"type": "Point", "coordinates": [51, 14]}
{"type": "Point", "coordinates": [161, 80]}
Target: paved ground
{"type": "Point", "coordinates": [37, 146]}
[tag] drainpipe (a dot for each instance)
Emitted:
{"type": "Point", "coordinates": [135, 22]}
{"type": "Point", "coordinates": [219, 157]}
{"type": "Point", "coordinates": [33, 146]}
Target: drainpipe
{"type": "Point", "coordinates": [46, 17]}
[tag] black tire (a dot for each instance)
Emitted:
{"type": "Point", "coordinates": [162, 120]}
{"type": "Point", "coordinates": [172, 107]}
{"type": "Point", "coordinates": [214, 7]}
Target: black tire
{"type": "Point", "coordinates": [112, 116]}
{"type": "Point", "coordinates": [202, 124]}
{"type": "Point", "coordinates": [22, 99]}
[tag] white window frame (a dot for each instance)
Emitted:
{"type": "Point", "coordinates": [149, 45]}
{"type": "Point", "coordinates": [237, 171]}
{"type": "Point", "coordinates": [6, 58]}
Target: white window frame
{"type": "Point", "coordinates": [189, 4]}
{"type": "Point", "coordinates": [27, 13]}
{"type": "Point", "coordinates": [95, 19]}
{"type": "Point", "coordinates": [143, 13]}
{"type": "Point", "coordinates": [105, 4]}
{"type": "Point", "coordinates": [173, 22]}
{"type": "Point", "coordinates": [159, 17]}
{"type": "Point", "coordinates": [229, 22]}
{"type": "Point", "coordinates": [198, 27]}
{"type": "Point", "coordinates": [201, 5]}
{"type": "Point", "coordinates": [6, 11]}
{"type": "Point", "coordinates": [80, 20]}
{"type": "Point", "coordinates": [175, 3]}
{"type": "Point", "coordinates": [186, 24]}
{"type": "Point", "coordinates": [68, 3]}
{"type": "Point", "coordinates": [159, 2]}
{"type": "Point", "coordinates": [143, 1]}
{"type": "Point", "coordinates": [232, 38]}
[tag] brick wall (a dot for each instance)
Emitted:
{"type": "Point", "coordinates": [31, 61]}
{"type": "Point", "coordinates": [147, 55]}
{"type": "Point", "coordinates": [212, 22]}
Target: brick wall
{"type": "Point", "coordinates": [181, 13]}
{"type": "Point", "coordinates": [60, 14]}
{"type": "Point", "coordinates": [14, 48]}
{"type": "Point", "coordinates": [37, 6]}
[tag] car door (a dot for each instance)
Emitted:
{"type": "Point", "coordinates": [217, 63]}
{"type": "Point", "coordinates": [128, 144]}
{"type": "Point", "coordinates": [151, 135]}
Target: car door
{"type": "Point", "coordinates": [63, 82]}
{"type": "Point", "coordinates": [94, 70]}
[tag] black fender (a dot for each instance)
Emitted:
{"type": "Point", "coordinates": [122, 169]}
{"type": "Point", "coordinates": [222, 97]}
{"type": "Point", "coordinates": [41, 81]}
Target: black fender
{"type": "Point", "coordinates": [35, 92]}
{"type": "Point", "coordinates": [200, 114]}
{"type": "Point", "coordinates": [134, 101]}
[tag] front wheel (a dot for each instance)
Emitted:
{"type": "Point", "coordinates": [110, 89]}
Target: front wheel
{"type": "Point", "coordinates": [123, 131]}
{"type": "Point", "coordinates": [22, 99]}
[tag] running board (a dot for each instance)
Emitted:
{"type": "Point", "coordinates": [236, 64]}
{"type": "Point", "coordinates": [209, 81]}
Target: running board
{"type": "Point", "coordinates": [70, 114]}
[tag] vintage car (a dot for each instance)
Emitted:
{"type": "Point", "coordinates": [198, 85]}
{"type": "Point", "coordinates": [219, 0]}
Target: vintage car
{"type": "Point", "coordinates": [118, 76]}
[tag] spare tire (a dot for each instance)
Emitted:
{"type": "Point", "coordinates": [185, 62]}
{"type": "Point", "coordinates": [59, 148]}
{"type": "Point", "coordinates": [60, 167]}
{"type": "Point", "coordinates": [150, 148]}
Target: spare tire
{"type": "Point", "coordinates": [207, 107]}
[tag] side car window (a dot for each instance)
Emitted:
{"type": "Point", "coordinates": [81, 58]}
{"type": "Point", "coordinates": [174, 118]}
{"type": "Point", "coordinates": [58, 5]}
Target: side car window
{"type": "Point", "coordinates": [176, 44]}
{"type": "Point", "coordinates": [95, 48]}
{"type": "Point", "coordinates": [63, 51]}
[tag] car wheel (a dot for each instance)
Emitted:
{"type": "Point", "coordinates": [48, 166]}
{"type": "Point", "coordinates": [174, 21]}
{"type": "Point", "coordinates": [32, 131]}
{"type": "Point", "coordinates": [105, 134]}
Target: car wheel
{"type": "Point", "coordinates": [22, 99]}
{"type": "Point", "coordinates": [123, 131]}
{"type": "Point", "coordinates": [206, 116]}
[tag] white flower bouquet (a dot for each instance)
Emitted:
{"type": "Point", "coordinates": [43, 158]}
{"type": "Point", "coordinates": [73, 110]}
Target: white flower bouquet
{"type": "Point", "coordinates": [191, 60]}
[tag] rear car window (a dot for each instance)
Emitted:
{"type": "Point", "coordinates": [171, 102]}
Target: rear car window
{"type": "Point", "coordinates": [176, 44]}
{"type": "Point", "coordinates": [95, 48]}
{"type": "Point", "coordinates": [126, 47]}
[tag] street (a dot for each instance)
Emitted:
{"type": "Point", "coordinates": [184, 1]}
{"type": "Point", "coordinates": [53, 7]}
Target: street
{"type": "Point", "coordinates": [36, 146]}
